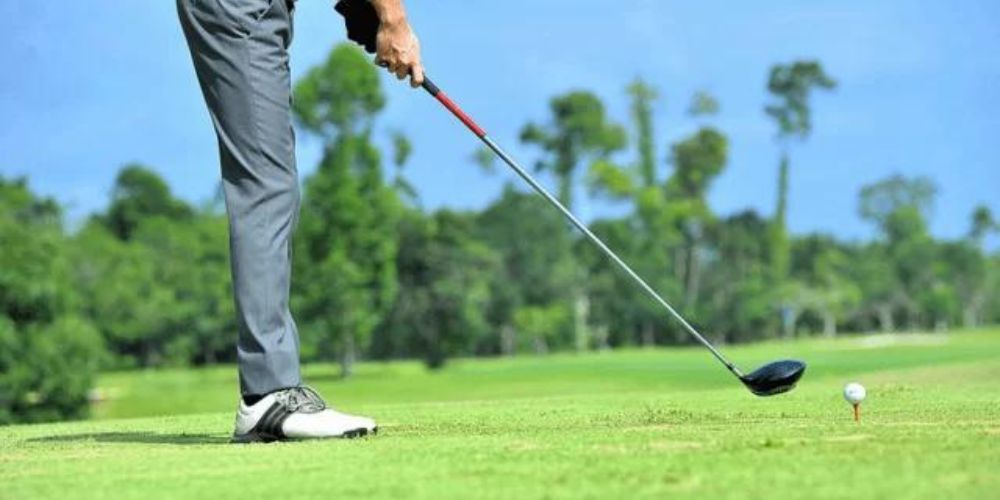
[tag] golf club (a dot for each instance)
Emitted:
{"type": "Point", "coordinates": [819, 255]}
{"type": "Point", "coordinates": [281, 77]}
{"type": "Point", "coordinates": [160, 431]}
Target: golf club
{"type": "Point", "coordinates": [770, 379]}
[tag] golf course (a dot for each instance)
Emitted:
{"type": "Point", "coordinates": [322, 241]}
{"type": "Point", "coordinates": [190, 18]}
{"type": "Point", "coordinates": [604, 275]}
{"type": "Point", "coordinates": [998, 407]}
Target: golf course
{"type": "Point", "coordinates": [659, 423]}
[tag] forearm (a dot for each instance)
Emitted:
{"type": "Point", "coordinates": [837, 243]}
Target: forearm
{"type": "Point", "coordinates": [390, 12]}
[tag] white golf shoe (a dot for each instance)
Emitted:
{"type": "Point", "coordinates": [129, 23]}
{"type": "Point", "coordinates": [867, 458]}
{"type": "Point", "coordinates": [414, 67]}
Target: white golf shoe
{"type": "Point", "coordinates": [296, 413]}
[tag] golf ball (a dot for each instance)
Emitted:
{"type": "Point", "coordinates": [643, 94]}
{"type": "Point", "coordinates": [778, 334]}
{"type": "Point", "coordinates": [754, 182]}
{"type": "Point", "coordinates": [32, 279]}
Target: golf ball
{"type": "Point", "coordinates": [854, 393]}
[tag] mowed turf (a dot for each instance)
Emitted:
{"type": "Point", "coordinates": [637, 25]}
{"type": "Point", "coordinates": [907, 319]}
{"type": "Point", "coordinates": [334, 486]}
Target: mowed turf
{"type": "Point", "coordinates": [635, 424]}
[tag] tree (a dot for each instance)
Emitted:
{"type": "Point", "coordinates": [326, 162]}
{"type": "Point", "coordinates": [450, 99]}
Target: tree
{"type": "Point", "coordinates": [536, 263]}
{"type": "Point", "coordinates": [346, 240]}
{"type": "Point", "coordinates": [983, 224]}
{"type": "Point", "coordinates": [542, 326]}
{"type": "Point", "coordinates": [138, 194]}
{"type": "Point", "coordinates": [579, 130]}
{"type": "Point", "coordinates": [191, 264]}
{"type": "Point", "coordinates": [697, 160]}
{"type": "Point", "coordinates": [968, 270]}
{"type": "Point", "coordinates": [821, 266]}
{"type": "Point", "coordinates": [122, 295]}
{"type": "Point", "coordinates": [643, 98]}
{"type": "Point", "coordinates": [899, 207]}
{"type": "Point", "coordinates": [49, 355]}
{"type": "Point", "coordinates": [791, 87]}
{"type": "Point", "coordinates": [401, 151]}
{"type": "Point", "coordinates": [673, 213]}
{"type": "Point", "coordinates": [442, 306]}
{"type": "Point", "coordinates": [739, 297]}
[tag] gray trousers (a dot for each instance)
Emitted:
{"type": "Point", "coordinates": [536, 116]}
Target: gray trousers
{"type": "Point", "coordinates": [240, 53]}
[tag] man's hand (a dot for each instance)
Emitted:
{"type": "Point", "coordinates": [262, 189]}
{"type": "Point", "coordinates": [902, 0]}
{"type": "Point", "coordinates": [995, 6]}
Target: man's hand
{"type": "Point", "coordinates": [397, 48]}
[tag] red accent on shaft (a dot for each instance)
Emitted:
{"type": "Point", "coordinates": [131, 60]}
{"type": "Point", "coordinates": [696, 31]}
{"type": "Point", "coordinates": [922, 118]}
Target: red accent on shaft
{"type": "Point", "coordinates": [457, 111]}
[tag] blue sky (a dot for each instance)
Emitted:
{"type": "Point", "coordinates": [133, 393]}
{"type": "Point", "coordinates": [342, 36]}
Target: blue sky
{"type": "Point", "coordinates": [89, 86]}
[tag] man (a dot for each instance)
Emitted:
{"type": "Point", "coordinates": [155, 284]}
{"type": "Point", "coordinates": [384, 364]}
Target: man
{"type": "Point", "coordinates": [240, 54]}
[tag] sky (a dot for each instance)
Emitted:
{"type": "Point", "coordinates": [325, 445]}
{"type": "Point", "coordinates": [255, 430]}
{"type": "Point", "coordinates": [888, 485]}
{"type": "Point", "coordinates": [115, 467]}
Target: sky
{"type": "Point", "coordinates": [87, 87]}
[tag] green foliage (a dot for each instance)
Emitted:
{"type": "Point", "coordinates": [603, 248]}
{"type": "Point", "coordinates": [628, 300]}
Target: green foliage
{"type": "Point", "coordinates": [138, 194]}
{"type": "Point", "coordinates": [535, 249]}
{"type": "Point", "coordinates": [444, 289]}
{"type": "Point", "coordinates": [791, 85]}
{"type": "Point", "coordinates": [33, 286]}
{"type": "Point", "coordinates": [697, 161]}
{"type": "Point", "coordinates": [47, 370]}
{"type": "Point", "coordinates": [484, 158]}
{"type": "Point", "coordinates": [579, 129]}
{"type": "Point", "coordinates": [540, 327]}
{"type": "Point", "coordinates": [48, 354]}
{"type": "Point", "coordinates": [885, 202]}
{"type": "Point", "coordinates": [378, 276]}
{"type": "Point", "coordinates": [703, 104]}
{"type": "Point", "coordinates": [341, 96]}
{"type": "Point", "coordinates": [740, 299]}
{"type": "Point", "coordinates": [671, 216]}
{"type": "Point", "coordinates": [347, 242]}
{"type": "Point", "coordinates": [643, 98]}
{"type": "Point", "coordinates": [164, 297]}
{"type": "Point", "coordinates": [345, 277]}
{"type": "Point", "coordinates": [609, 179]}
{"type": "Point", "coordinates": [983, 224]}
{"type": "Point", "coordinates": [899, 207]}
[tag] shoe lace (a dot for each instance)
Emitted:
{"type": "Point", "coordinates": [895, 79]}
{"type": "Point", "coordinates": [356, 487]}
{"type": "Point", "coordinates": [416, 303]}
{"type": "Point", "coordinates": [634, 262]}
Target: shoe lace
{"type": "Point", "coordinates": [303, 398]}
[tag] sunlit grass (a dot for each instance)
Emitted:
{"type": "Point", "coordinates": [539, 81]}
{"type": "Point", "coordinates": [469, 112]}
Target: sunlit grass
{"type": "Point", "coordinates": [660, 423]}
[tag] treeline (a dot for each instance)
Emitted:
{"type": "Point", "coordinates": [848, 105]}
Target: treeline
{"type": "Point", "coordinates": [146, 283]}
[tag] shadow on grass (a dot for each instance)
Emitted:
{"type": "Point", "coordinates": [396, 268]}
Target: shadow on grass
{"type": "Point", "coordinates": [145, 437]}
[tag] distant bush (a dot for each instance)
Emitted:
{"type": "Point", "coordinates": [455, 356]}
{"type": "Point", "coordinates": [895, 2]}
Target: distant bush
{"type": "Point", "coordinates": [47, 371]}
{"type": "Point", "coordinates": [49, 355]}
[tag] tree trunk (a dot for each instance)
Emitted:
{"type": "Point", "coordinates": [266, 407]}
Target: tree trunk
{"type": "Point", "coordinates": [508, 340]}
{"type": "Point", "coordinates": [648, 335]}
{"type": "Point", "coordinates": [970, 313]}
{"type": "Point", "coordinates": [781, 208]}
{"type": "Point", "coordinates": [679, 264]}
{"type": "Point", "coordinates": [347, 357]}
{"type": "Point", "coordinates": [829, 324]}
{"type": "Point", "coordinates": [692, 278]}
{"type": "Point", "coordinates": [885, 321]}
{"type": "Point", "coordinates": [780, 248]}
{"type": "Point", "coordinates": [581, 311]}
{"type": "Point", "coordinates": [541, 348]}
{"type": "Point", "coordinates": [601, 338]}
{"type": "Point", "coordinates": [969, 317]}
{"type": "Point", "coordinates": [789, 317]}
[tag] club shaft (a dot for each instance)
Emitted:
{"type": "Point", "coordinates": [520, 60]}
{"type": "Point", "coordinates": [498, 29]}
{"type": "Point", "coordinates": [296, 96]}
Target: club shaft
{"type": "Point", "coordinates": [521, 172]}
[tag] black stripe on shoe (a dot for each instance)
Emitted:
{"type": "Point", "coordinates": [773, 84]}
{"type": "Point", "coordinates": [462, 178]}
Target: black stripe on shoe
{"type": "Point", "coordinates": [269, 427]}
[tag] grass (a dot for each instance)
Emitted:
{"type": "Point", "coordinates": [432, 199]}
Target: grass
{"type": "Point", "coordinates": [633, 424]}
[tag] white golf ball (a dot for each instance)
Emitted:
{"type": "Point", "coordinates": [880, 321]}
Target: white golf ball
{"type": "Point", "coordinates": [854, 393]}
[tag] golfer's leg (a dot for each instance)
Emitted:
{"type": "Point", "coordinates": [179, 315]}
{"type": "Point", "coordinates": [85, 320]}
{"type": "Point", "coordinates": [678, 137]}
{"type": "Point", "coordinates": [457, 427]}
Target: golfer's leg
{"type": "Point", "coordinates": [240, 53]}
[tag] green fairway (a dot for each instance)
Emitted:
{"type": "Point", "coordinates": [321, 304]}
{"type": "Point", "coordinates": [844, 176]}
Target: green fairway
{"type": "Point", "coordinates": [652, 424]}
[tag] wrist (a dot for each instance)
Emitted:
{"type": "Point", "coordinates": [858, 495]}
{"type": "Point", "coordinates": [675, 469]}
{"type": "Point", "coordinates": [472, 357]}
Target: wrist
{"type": "Point", "coordinates": [390, 13]}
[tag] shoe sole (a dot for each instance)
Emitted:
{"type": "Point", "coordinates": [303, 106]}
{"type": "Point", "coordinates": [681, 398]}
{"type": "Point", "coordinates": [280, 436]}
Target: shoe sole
{"type": "Point", "coordinates": [268, 438]}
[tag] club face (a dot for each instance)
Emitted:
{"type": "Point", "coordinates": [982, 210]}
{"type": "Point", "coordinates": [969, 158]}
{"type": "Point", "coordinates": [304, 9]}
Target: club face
{"type": "Point", "coordinates": [774, 378]}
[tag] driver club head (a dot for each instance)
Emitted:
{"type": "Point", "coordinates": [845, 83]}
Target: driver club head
{"type": "Point", "coordinates": [774, 378]}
